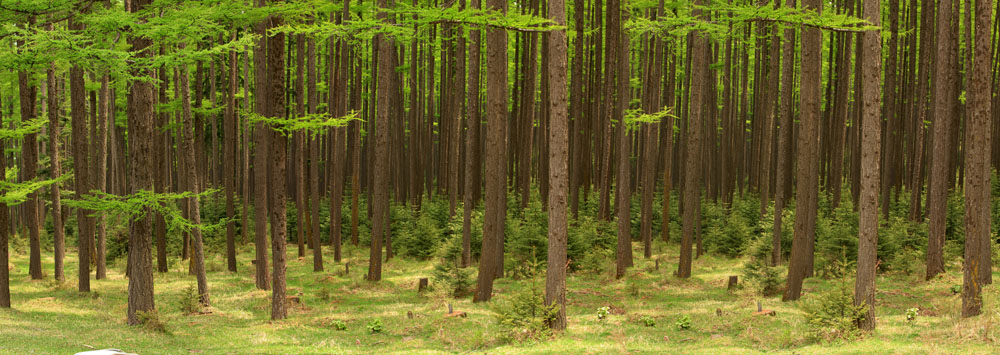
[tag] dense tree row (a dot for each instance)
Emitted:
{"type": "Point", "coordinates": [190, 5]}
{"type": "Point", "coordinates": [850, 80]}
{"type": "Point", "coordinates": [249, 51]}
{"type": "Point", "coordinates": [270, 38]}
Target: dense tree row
{"type": "Point", "coordinates": [293, 103]}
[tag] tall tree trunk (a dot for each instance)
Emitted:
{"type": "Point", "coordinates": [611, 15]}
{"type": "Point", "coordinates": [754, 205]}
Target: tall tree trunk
{"type": "Point", "coordinates": [380, 204]}
{"type": "Point", "coordinates": [864, 287]}
{"type": "Point", "coordinates": [58, 239]}
{"type": "Point", "coordinates": [194, 207]}
{"type": "Point", "coordinates": [4, 230]}
{"type": "Point", "coordinates": [784, 169]}
{"type": "Point", "coordinates": [800, 263]}
{"type": "Point", "coordinates": [29, 154]}
{"type": "Point", "coordinates": [692, 164]}
{"type": "Point", "coordinates": [944, 101]}
{"type": "Point", "coordinates": [472, 123]}
{"type": "Point", "coordinates": [491, 261]}
{"type": "Point", "coordinates": [276, 108]}
{"type": "Point", "coordinates": [161, 153]}
{"type": "Point", "coordinates": [229, 161]}
{"type": "Point", "coordinates": [314, 154]}
{"type": "Point", "coordinates": [140, 127]}
{"type": "Point", "coordinates": [978, 266]}
{"type": "Point", "coordinates": [261, 151]}
{"type": "Point", "coordinates": [555, 274]}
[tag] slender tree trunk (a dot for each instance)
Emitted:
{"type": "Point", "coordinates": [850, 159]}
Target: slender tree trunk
{"type": "Point", "coordinates": [491, 261]}
{"type": "Point", "coordinates": [380, 204]}
{"type": "Point", "coordinates": [58, 239]}
{"type": "Point", "coordinates": [4, 230]}
{"type": "Point", "coordinates": [555, 275]}
{"type": "Point", "coordinates": [229, 161]}
{"type": "Point", "coordinates": [261, 151]}
{"type": "Point", "coordinates": [864, 287]}
{"type": "Point", "coordinates": [161, 154]}
{"type": "Point", "coordinates": [692, 176]}
{"type": "Point", "coordinates": [140, 127]}
{"type": "Point", "coordinates": [472, 122]}
{"type": "Point", "coordinates": [944, 101]}
{"type": "Point", "coordinates": [29, 154]}
{"type": "Point", "coordinates": [194, 207]}
{"type": "Point", "coordinates": [784, 140]}
{"type": "Point", "coordinates": [314, 154]}
{"type": "Point", "coordinates": [275, 79]}
{"type": "Point", "coordinates": [977, 265]}
{"type": "Point", "coordinates": [800, 263]}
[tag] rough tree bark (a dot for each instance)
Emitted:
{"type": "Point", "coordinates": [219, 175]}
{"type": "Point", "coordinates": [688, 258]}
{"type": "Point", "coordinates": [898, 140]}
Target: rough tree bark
{"type": "Point", "coordinates": [555, 273]}
{"type": "Point", "coordinates": [864, 286]}
{"type": "Point", "coordinates": [194, 207]}
{"type": "Point", "coordinates": [58, 239]}
{"type": "Point", "coordinates": [140, 128]}
{"type": "Point", "coordinates": [692, 163]}
{"type": "Point", "coordinates": [805, 206]}
{"type": "Point", "coordinates": [496, 158]}
{"type": "Point", "coordinates": [380, 204]}
{"type": "Point", "coordinates": [261, 162]}
{"type": "Point", "coordinates": [276, 108]}
{"type": "Point", "coordinates": [978, 265]}
{"type": "Point", "coordinates": [944, 100]}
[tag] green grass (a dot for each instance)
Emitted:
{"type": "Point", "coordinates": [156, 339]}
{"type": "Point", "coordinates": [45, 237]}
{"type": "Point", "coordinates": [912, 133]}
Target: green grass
{"type": "Point", "coordinates": [55, 319]}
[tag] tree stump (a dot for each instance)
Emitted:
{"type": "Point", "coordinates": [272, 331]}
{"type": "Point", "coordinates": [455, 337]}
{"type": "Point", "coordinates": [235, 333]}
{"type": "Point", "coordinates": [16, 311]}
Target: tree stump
{"type": "Point", "coordinates": [733, 281]}
{"type": "Point", "coordinates": [347, 269]}
{"type": "Point", "coordinates": [422, 285]}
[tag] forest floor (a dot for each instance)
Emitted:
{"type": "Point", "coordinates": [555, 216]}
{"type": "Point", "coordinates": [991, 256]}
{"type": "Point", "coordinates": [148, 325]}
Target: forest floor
{"type": "Point", "coordinates": [52, 318]}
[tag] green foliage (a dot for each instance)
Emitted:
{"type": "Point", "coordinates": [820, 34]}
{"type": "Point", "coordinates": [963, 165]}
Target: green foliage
{"type": "Point", "coordinates": [603, 313]}
{"type": "Point", "coordinates": [589, 243]}
{"type": "Point", "coordinates": [523, 315]}
{"type": "Point", "coordinates": [415, 234]}
{"type": "Point", "coordinates": [526, 236]}
{"type": "Point", "coordinates": [912, 313]}
{"type": "Point", "coordinates": [151, 322]}
{"type": "Point", "coordinates": [596, 261]}
{"type": "Point", "coordinates": [648, 321]}
{"type": "Point", "coordinates": [836, 236]}
{"type": "Point", "coordinates": [683, 323]}
{"type": "Point", "coordinates": [729, 232]}
{"type": "Point", "coordinates": [679, 23]}
{"type": "Point", "coordinates": [760, 277]}
{"type": "Point", "coordinates": [190, 300]}
{"type": "Point", "coordinates": [339, 325]}
{"type": "Point", "coordinates": [833, 315]}
{"type": "Point", "coordinates": [313, 124]}
{"type": "Point", "coordinates": [375, 326]}
{"type": "Point", "coordinates": [455, 280]}
{"type": "Point", "coordinates": [901, 244]}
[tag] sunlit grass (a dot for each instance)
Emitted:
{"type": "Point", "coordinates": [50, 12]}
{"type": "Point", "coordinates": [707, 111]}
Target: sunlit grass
{"type": "Point", "coordinates": [49, 317]}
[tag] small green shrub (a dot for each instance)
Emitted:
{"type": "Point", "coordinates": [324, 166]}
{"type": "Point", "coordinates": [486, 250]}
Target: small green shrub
{"type": "Point", "coordinates": [151, 321]}
{"type": "Point", "coordinates": [375, 326]}
{"type": "Point", "coordinates": [457, 281]}
{"type": "Point", "coordinates": [912, 313]}
{"type": "Point", "coordinates": [190, 300]}
{"type": "Point", "coordinates": [523, 315]}
{"type": "Point", "coordinates": [648, 321]}
{"type": "Point", "coordinates": [340, 325]}
{"type": "Point", "coordinates": [683, 323]}
{"type": "Point", "coordinates": [762, 278]}
{"type": "Point", "coordinates": [597, 261]}
{"type": "Point", "coordinates": [603, 313]}
{"type": "Point", "coordinates": [833, 315]}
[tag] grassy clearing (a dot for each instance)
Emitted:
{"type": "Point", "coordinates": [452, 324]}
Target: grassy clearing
{"type": "Point", "coordinates": [53, 318]}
